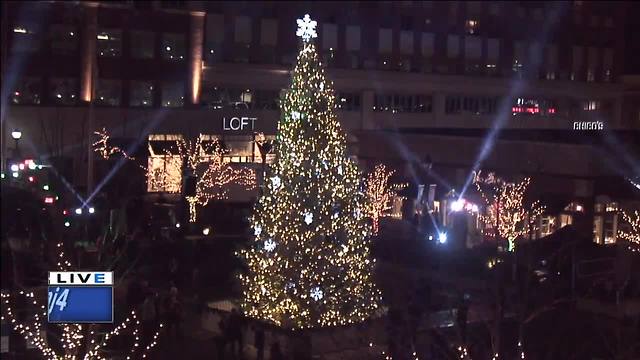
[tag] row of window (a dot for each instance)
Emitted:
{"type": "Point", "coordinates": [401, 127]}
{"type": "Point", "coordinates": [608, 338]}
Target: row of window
{"type": "Point", "coordinates": [141, 94]}
{"type": "Point", "coordinates": [108, 92]}
{"type": "Point", "coordinates": [64, 40]}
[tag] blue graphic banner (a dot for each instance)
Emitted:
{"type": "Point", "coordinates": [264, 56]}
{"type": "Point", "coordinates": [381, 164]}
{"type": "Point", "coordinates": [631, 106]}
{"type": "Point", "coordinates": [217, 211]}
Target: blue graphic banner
{"type": "Point", "coordinates": [80, 304]}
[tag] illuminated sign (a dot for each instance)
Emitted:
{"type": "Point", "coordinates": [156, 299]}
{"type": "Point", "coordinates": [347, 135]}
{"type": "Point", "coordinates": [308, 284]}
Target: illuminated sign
{"type": "Point", "coordinates": [238, 123]}
{"type": "Point", "coordinates": [80, 297]}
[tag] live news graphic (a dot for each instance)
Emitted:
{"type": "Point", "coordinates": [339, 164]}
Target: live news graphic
{"type": "Point", "coordinates": [80, 297]}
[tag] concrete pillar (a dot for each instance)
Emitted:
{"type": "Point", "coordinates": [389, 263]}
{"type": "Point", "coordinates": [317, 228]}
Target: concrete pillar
{"type": "Point", "coordinates": [88, 61]}
{"type": "Point", "coordinates": [196, 40]}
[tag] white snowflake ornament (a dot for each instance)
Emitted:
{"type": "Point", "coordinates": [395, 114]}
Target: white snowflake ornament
{"type": "Point", "coordinates": [276, 182]}
{"type": "Point", "coordinates": [340, 170]}
{"type": "Point", "coordinates": [316, 293]}
{"type": "Point", "coordinates": [257, 230]}
{"type": "Point", "coordinates": [321, 86]}
{"type": "Point", "coordinates": [307, 28]}
{"type": "Point", "coordinates": [308, 218]}
{"type": "Point", "coordinates": [269, 245]}
{"type": "Point", "coordinates": [295, 115]}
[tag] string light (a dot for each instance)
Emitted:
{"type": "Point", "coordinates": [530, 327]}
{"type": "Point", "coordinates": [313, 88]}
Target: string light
{"type": "Point", "coordinates": [380, 193]}
{"type": "Point", "coordinates": [102, 146]}
{"type": "Point", "coordinates": [212, 183]}
{"type": "Point", "coordinates": [74, 340]}
{"type": "Point", "coordinates": [313, 211]}
{"type": "Point", "coordinates": [506, 208]}
{"type": "Point", "coordinates": [632, 235]}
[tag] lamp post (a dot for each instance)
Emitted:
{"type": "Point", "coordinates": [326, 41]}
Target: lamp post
{"type": "Point", "coordinates": [16, 135]}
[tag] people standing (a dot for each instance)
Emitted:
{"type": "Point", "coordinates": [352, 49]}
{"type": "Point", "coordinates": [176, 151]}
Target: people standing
{"type": "Point", "coordinates": [235, 332]}
{"type": "Point", "coordinates": [149, 316]}
{"type": "Point", "coordinates": [222, 338]}
{"type": "Point", "coordinates": [173, 314]}
{"type": "Point", "coordinates": [276, 352]}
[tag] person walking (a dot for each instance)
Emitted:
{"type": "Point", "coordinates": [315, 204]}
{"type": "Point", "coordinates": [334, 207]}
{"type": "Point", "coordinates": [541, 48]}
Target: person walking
{"type": "Point", "coordinates": [235, 332]}
{"type": "Point", "coordinates": [276, 352]}
{"type": "Point", "coordinates": [149, 316]}
{"type": "Point", "coordinates": [222, 338]}
{"type": "Point", "coordinates": [173, 314]}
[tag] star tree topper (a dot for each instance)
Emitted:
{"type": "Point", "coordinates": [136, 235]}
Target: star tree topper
{"type": "Point", "coordinates": [307, 28]}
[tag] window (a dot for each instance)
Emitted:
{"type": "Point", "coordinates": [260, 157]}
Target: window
{"type": "Point", "coordinates": [268, 32]}
{"type": "Point", "coordinates": [533, 107]}
{"type": "Point", "coordinates": [595, 21]}
{"type": "Point", "coordinates": [493, 50]}
{"type": "Point", "coordinates": [406, 23]}
{"type": "Point", "coordinates": [607, 64]}
{"type": "Point", "coordinates": [385, 41]}
{"type": "Point", "coordinates": [64, 39]}
{"type": "Point", "coordinates": [165, 171]}
{"type": "Point", "coordinates": [108, 92]}
{"type": "Point", "coordinates": [590, 105]}
{"type": "Point", "coordinates": [471, 26]}
{"type": "Point", "coordinates": [329, 36]}
{"type": "Point", "coordinates": [475, 105]}
{"type": "Point", "coordinates": [472, 48]}
{"type": "Point", "coordinates": [453, 46]}
{"type": "Point", "coordinates": [215, 31]}
{"type": "Point", "coordinates": [494, 8]}
{"type": "Point", "coordinates": [242, 33]}
{"type": "Point", "coordinates": [608, 22]}
{"type": "Point", "coordinates": [348, 102]}
{"type": "Point", "coordinates": [406, 42]}
{"type": "Point", "coordinates": [63, 91]}
{"type": "Point", "coordinates": [142, 44]}
{"type": "Point", "coordinates": [592, 62]}
{"type": "Point", "coordinates": [220, 98]}
{"type": "Point", "coordinates": [577, 60]}
{"type": "Point", "coordinates": [27, 92]}
{"type": "Point", "coordinates": [453, 13]}
{"type": "Point", "coordinates": [141, 94]}
{"type": "Point", "coordinates": [353, 38]}
{"type": "Point", "coordinates": [172, 94]}
{"type": "Point", "coordinates": [109, 43]}
{"type": "Point", "coordinates": [427, 45]}
{"type": "Point", "coordinates": [173, 46]}
{"type": "Point", "coordinates": [26, 39]}
{"type": "Point", "coordinates": [266, 99]}
{"type": "Point", "coordinates": [538, 14]}
{"type": "Point", "coordinates": [396, 103]}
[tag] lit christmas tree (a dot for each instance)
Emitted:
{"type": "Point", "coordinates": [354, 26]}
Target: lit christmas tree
{"type": "Point", "coordinates": [309, 263]}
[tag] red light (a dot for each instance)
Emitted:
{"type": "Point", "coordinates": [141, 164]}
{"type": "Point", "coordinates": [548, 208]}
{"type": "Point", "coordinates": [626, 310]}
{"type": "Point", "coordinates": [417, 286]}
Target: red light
{"type": "Point", "coordinates": [64, 212]}
{"type": "Point", "coordinates": [49, 200]}
{"type": "Point", "coordinates": [28, 161]}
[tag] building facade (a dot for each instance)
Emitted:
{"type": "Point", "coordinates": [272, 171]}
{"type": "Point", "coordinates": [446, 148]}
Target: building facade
{"type": "Point", "coordinates": [538, 83]}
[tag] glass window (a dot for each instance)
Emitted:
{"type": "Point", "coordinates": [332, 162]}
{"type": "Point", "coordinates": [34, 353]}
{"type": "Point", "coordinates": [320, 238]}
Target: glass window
{"type": "Point", "coordinates": [267, 99]}
{"type": "Point", "coordinates": [396, 103]}
{"type": "Point", "coordinates": [493, 50]}
{"type": "Point", "coordinates": [164, 171]}
{"type": "Point", "coordinates": [214, 37]}
{"type": "Point", "coordinates": [173, 46]}
{"type": "Point", "coordinates": [108, 92]}
{"type": "Point", "coordinates": [242, 28]}
{"type": "Point", "coordinates": [427, 44]}
{"type": "Point", "coordinates": [453, 46]}
{"type": "Point", "coordinates": [353, 38]}
{"type": "Point", "coordinates": [348, 102]}
{"type": "Point", "coordinates": [142, 44]}
{"type": "Point", "coordinates": [141, 93]}
{"type": "Point", "coordinates": [329, 36]}
{"type": "Point", "coordinates": [385, 41]}
{"type": "Point", "coordinates": [27, 92]}
{"type": "Point", "coordinates": [26, 39]}
{"type": "Point", "coordinates": [269, 32]}
{"type": "Point", "coordinates": [173, 94]}
{"type": "Point", "coordinates": [406, 42]}
{"type": "Point", "coordinates": [109, 43]}
{"type": "Point", "coordinates": [472, 48]}
{"type": "Point", "coordinates": [63, 91]}
{"type": "Point", "coordinates": [64, 39]}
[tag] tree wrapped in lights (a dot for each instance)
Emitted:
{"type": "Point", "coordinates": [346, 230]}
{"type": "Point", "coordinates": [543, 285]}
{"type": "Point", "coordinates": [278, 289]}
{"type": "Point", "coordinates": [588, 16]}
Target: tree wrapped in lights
{"type": "Point", "coordinates": [632, 235]}
{"type": "Point", "coordinates": [309, 264]}
{"type": "Point", "coordinates": [78, 341]}
{"type": "Point", "coordinates": [506, 208]}
{"type": "Point", "coordinates": [205, 160]}
{"type": "Point", "coordinates": [380, 193]}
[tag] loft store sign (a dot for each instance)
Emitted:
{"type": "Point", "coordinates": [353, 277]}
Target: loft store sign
{"type": "Point", "coordinates": [238, 123]}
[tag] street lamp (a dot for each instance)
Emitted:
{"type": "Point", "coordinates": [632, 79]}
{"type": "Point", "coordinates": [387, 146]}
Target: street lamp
{"type": "Point", "coordinates": [16, 135]}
